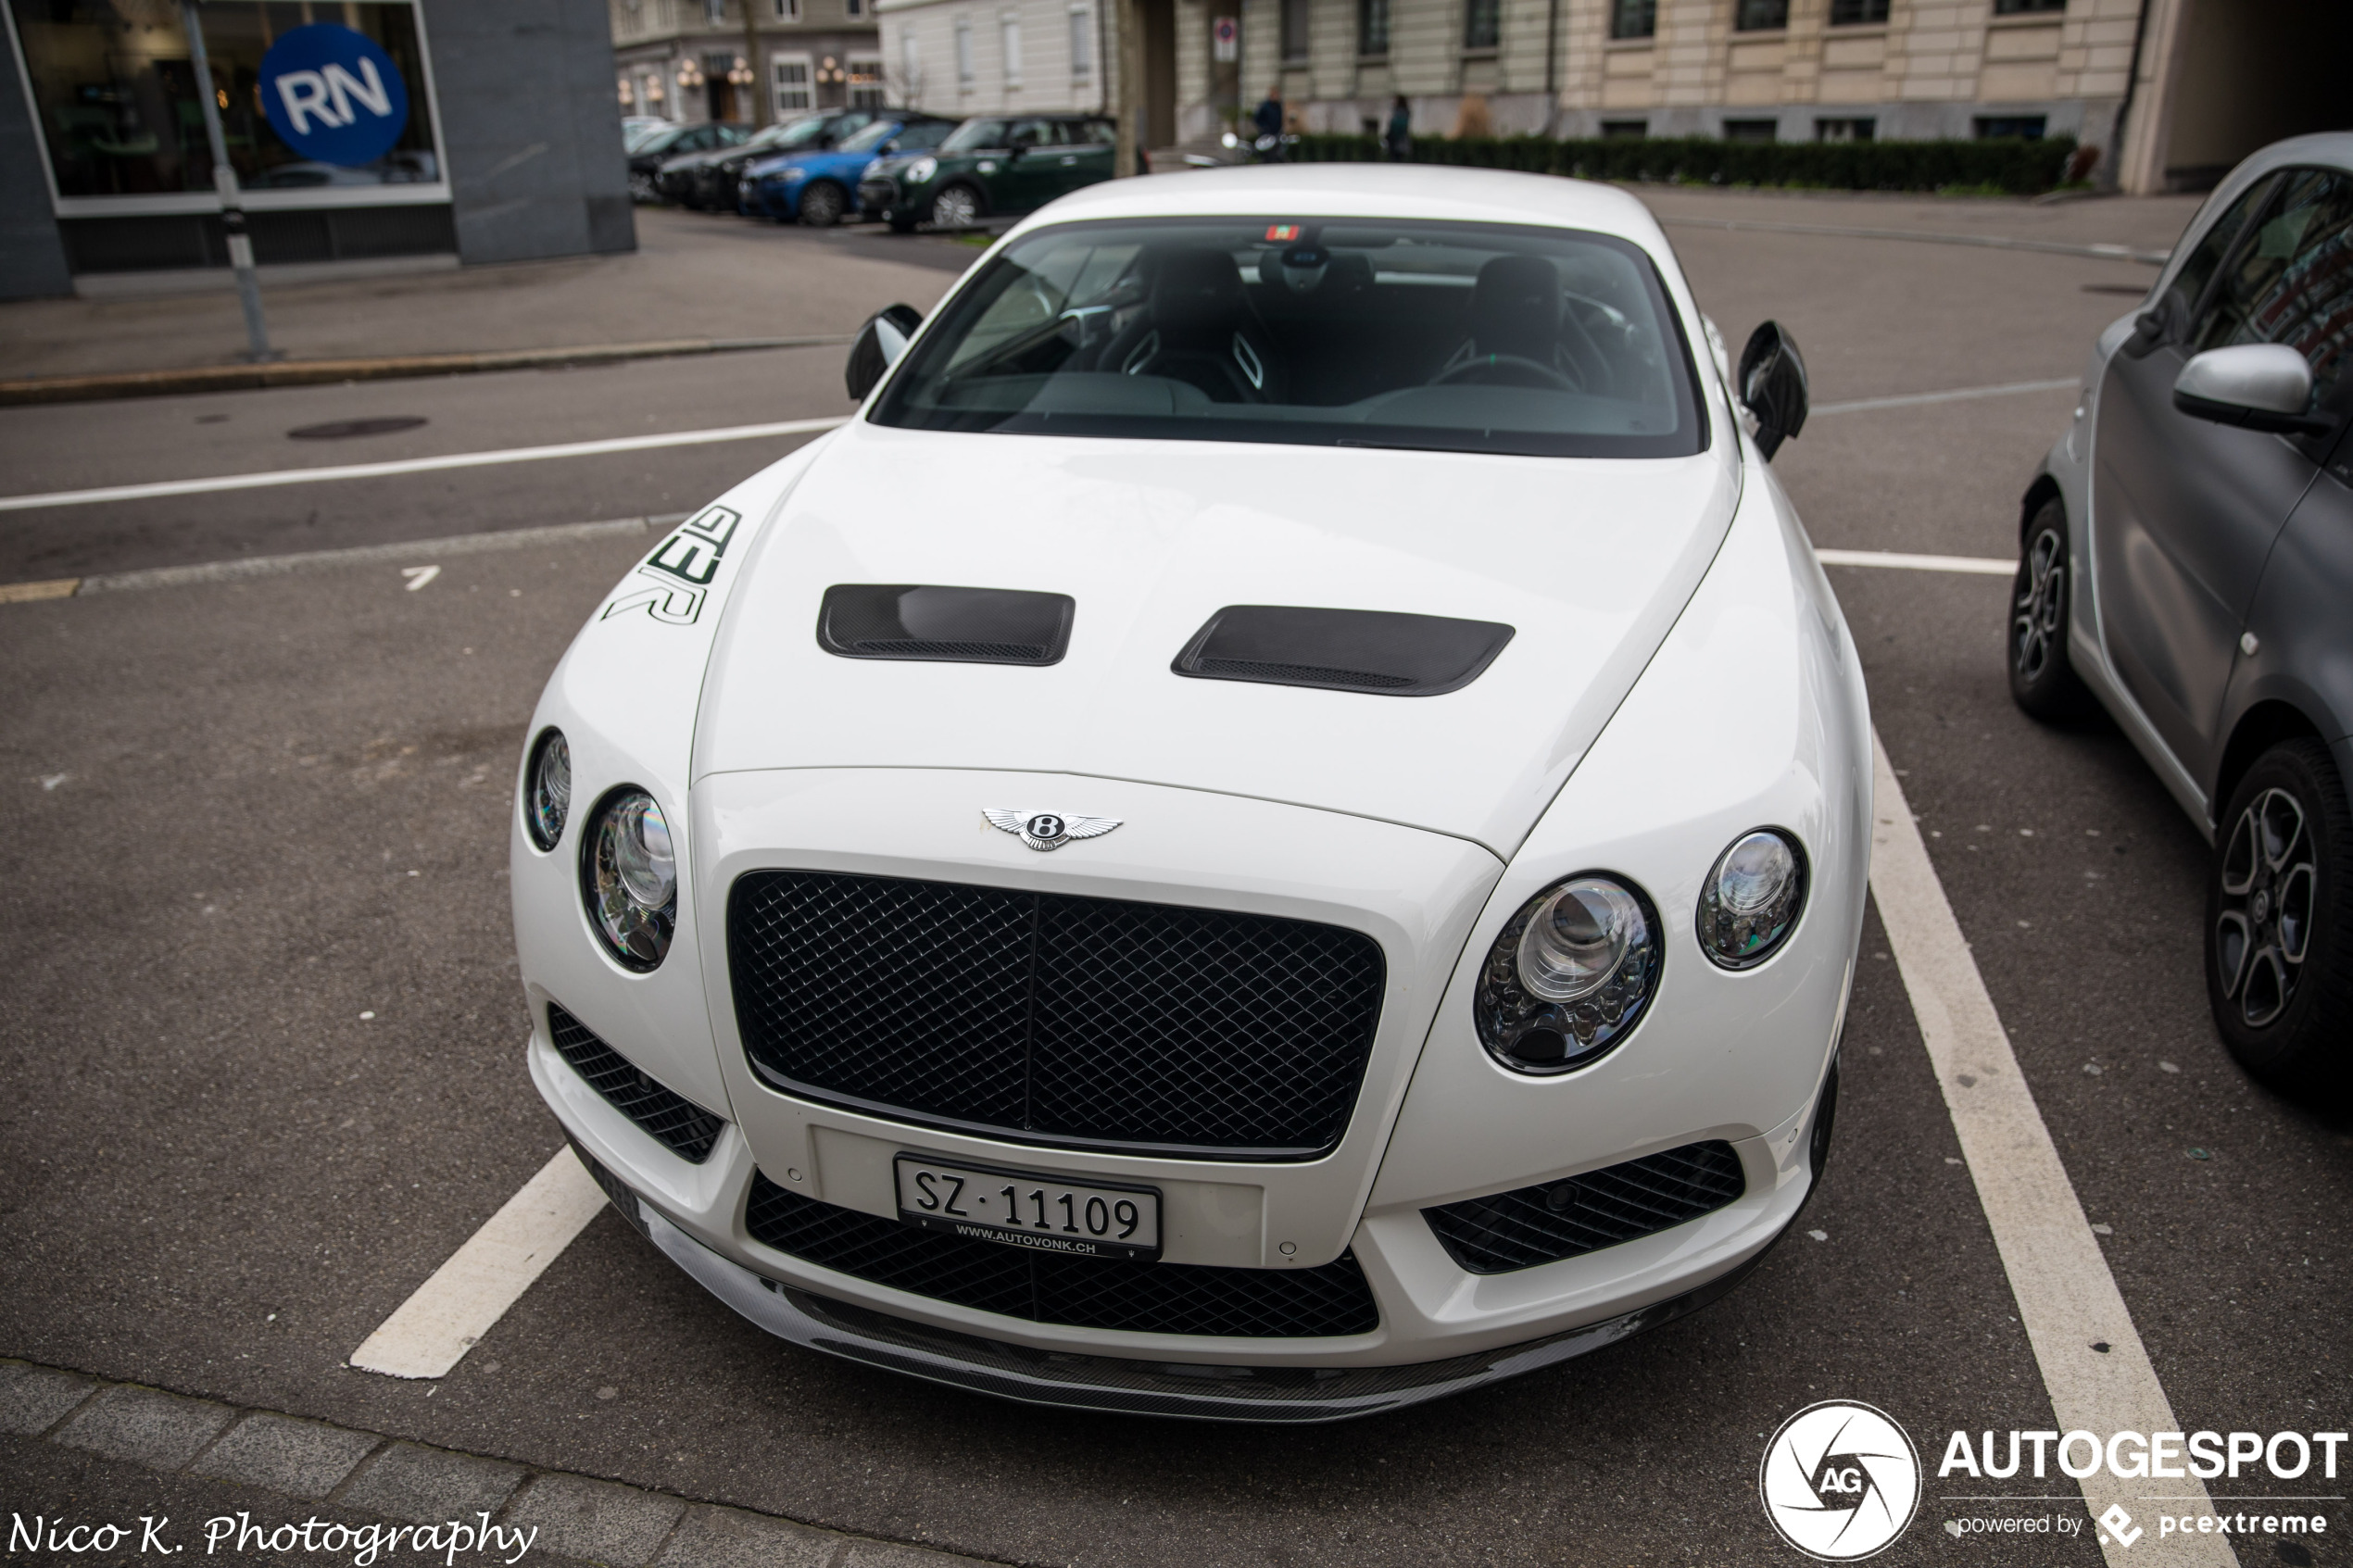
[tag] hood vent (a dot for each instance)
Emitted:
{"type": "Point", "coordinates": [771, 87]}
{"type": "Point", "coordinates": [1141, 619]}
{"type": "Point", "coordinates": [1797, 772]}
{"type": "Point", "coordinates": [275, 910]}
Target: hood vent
{"type": "Point", "coordinates": [951, 625]}
{"type": "Point", "coordinates": [1350, 650]}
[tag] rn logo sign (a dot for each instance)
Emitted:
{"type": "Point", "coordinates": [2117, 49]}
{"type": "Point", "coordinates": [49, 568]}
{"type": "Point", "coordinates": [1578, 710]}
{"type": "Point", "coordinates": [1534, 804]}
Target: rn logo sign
{"type": "Point", "coordinates": [332, 95]}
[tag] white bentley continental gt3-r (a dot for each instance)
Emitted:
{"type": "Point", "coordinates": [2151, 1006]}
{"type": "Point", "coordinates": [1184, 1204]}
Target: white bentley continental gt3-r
{"type": "Point", "coordinates": [1275, 828]}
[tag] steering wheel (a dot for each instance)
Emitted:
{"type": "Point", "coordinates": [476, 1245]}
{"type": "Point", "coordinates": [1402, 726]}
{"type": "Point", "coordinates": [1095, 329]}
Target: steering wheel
{"type": "Point", "coordinates": [1518, 371]}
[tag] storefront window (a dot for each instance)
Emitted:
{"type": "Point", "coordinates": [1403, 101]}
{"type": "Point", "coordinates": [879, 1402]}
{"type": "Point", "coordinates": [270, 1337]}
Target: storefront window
{"type": "Point", "coordinates": [116, 94]}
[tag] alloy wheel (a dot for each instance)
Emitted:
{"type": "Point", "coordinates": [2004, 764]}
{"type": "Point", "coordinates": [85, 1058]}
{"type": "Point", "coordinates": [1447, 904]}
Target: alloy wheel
{"type": "Point", "coordinates": [821, 205]}
{"type": "Point", "coordinates": [2041, 605]}
{"type": "Point", "coordinates": [955, 209]}
{"type": "Point", "coordinates": [2269, 887]}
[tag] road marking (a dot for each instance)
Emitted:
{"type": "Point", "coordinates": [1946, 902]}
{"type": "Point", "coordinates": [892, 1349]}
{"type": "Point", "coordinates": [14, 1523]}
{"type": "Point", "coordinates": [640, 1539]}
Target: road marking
{"type": "Point", "coordinates": [2067, 1298]}
{"type": "Point", "coordinates": [1957, 395]}
{"type": "Point", "coordinates": [48, 588]}
{"type": "Point", "coordinates": [1928, 236]}
{"type": "Point", "coordinates": [434, 1329]}
{"type": "Point", "coordinates": [419, 575]}
{"type": "Point", "coordinates": [1980, 566]}
{"type": "Point", "coordinates": [418, 465]}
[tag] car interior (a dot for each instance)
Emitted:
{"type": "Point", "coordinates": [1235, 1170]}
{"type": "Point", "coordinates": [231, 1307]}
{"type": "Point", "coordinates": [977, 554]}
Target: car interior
{"type": "Point", "coordinates": [1312, 333]}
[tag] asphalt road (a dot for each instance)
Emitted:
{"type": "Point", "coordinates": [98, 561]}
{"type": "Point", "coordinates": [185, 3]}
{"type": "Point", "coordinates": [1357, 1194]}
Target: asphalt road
{"type": "Point", "coordinates": [250, 812]}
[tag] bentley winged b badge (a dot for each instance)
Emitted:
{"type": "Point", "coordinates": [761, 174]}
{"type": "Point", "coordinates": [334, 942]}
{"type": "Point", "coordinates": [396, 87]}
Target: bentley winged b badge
{"type": "Point", "coordinates": [1047, 829]}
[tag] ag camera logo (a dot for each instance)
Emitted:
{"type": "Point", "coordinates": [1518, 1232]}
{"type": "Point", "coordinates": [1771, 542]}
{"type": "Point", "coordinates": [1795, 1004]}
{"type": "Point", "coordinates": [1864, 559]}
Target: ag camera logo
{"type": "Point", "coordinates": [1839, 1480]}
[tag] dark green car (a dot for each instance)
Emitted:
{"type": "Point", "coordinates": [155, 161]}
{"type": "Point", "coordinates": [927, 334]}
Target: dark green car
{"type": "Point", "coordinates": [990, 166]}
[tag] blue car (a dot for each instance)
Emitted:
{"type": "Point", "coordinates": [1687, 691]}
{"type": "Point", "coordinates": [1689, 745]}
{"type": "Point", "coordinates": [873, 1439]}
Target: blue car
{"type": "Point", "coordinates": [818, 186]}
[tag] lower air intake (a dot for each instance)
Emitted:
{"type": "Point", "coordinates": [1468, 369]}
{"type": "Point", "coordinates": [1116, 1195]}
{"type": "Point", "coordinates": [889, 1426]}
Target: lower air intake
{"type": "Point", "coordinates": [1076, 1292]}
{"type": "Point", "coordinates": [682, 1126]}
{"type": "Point", "coordinates": [1565, 1219]}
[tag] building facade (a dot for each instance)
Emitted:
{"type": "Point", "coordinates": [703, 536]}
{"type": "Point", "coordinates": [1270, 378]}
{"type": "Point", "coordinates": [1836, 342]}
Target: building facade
{"type": "Point", "coordinates": [509, 150]}
{"type": "Point", "coordinates": [2195, 84]}
{"type": "Point", "coordinates": [694, 60]}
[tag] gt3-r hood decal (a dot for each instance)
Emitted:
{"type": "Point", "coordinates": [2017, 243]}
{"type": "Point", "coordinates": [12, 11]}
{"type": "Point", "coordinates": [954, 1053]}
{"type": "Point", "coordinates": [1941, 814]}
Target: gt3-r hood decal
{"type": "Point", "coordinates": [1590, 560]}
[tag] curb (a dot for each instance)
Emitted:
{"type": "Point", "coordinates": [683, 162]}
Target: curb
{"type": "Point", "coordinates": [332, 1469]}
{"type": "Point", "coordinates": [311, 372]}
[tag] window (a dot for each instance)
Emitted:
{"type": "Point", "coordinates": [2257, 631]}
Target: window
{"type": "Point", "coordinates": [1752, 129]}
{"type": "Point", "coordinates": [787, 10]}
{"type": "Point", "coordinates": [1482, 23]}
{"type": "Point", "coordinates": [1759, 15]}
{"type": "Point", "coordinates": [854, 7]}
{"type": "Point", "coordinates": [2191, 281]}
{"type": "Point", "coordinates": [1009, 39]}
{"type": "Point", "coordinates": [1633, 19]}
{"type": "Point", "coordinates": [963, 53]}
{"type": "Point", "coordinates": [1346, 360]}
{"type": "Point", "coordinates": [865, 82]}
{"type": "Point", "coordinates": [1294, 30]}
{"type": "Point", "coordinates": [1082, 45]}
{"type": "Point", "coordinates": [911, 68]}
{"type": "Point", "coordinates": [1372, 29]}
{"type": "Point", "coordinates": [2294, 282]}
{"type": "Point", "coordinates": [1856, 13]}
{"type": "Point", "coordinates": [2028, 7]}
{"type": "Point", "coordinates": [792, 83]}
{"type": "Point", "coordinates": [116, 98]}
{"type": "Point", "coordinates": [1845, 129]}
{"type": "Point", "coordinates": [2027, 127]}
{"type": "Point", "coordinates": [1630, 129]}
{"type": "Point", "coordinates": [715, 12]}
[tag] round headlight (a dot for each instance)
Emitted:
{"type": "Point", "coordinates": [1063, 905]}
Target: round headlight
{"type": "Point", "coordinates": [630, 876]}
{"type": "Point", "coordinates": [547, 793]}
{"type": "Point", "coordinates": [1570, 975]}
{"type": "Point", "coordinates": [921, 169]}
{"type": "Point", "coordinates": [1751, 900]}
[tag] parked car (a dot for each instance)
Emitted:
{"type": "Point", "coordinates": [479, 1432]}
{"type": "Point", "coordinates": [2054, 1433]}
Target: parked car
{"type": "Point", "coordinates": [817, 186]}
{"type": "Point", "coordinates": [2186, 553]}
{"type": "Point", "coordinates": [638, 128]}
{"type": "Point", "coordinates": [646, 159]}
{"type": "Point", "coordinates": [1275, 829]}
{"type": "Point", "coordinates": [707, 182]}
{"type": "Point", "coordinates": [991, 167]}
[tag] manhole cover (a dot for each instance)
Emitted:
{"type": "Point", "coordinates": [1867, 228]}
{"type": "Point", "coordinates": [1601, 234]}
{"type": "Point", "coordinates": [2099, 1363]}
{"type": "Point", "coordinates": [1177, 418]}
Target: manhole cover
{"type": "Point", "coordinates": [343, 430]}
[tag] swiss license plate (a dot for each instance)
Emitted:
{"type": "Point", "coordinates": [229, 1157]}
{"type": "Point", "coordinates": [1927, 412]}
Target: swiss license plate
{"type": "Point", "coordinates": [1043, 1213]}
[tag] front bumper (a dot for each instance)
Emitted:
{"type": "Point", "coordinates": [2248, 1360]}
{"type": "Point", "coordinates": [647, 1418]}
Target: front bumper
{"type": "Point", "coordinates": [1120, 1386]}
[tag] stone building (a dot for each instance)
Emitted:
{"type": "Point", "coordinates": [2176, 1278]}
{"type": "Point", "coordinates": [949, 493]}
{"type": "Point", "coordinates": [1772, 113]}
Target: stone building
{"type": "Point", "coordinates": [691, 60]}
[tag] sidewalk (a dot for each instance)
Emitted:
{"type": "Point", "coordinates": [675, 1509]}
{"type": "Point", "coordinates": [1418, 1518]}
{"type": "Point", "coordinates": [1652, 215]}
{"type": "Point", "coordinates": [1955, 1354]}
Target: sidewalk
{"type": "Point", "coordinates": [693, 277]}
{"type": "Point", "coordinates": [701, 281]}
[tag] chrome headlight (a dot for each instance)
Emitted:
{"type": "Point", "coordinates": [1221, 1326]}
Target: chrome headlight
{"type": "Point", "coordinates": [1751, 898]}
{"type": "Point", "coordinates": [629, 877]}
{"type": "Point", "coordinates": [547, 789]}
{"type": "Point", "coordinates": [921, 169]}
{"type": "Point", "coordinates": [1569, 976]}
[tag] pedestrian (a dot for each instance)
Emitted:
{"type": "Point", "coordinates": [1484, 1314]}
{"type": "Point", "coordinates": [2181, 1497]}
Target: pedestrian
{"type": "Point", "coordinates": [1397, 141]}
{"type": "Point", "coordinates": [1269, 120]}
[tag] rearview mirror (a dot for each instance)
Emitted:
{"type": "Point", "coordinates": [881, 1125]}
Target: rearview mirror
{"type": "Point", "coordinates": [2260, 385]}
{"type": "Point", "coordinates": [878, 348]}
{"type": "Point", "coordinates": [1773, 387]}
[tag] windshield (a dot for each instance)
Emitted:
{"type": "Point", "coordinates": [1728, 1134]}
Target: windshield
{"type": "Point", "coordinates": [1345, 333]}
{"type": "Point", "coordinates": [656, 141]}
{"type": "Point", "coordinates": [976, 133]}
{"type": "Point", "coordinates": [792, 133]}
{"type": "Point", "coordinates": [870, 138]}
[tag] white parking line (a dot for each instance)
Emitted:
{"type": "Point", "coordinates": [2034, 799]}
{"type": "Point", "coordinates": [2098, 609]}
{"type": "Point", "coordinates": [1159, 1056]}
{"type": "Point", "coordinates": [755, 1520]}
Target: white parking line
{"type": "Point", "coordinates": [1955, 394]}
{"type": "Point", "coordinates": [417, 464]}
{"type": "Point", "coordinates": [431, 1331]}
{"type": "Point", "coordinates": [1977, 566]}
{"type": "Point", "coordinates": [2094, 1365]}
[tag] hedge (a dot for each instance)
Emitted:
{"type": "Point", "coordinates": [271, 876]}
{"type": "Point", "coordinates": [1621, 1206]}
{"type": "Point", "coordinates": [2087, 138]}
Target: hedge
{"type": "Point", "coordinates": [2005, 164]}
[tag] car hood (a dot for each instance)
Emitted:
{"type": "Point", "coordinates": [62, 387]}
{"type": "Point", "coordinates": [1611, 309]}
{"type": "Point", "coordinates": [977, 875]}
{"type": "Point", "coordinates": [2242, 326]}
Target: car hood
{"type": "Point", "coordinates": [1589, 561]}
{"type": "Point", "coordinates": [815, 163]}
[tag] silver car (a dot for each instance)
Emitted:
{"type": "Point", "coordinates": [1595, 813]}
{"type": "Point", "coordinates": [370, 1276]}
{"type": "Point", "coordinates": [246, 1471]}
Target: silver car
{"type": "Point", "coordinates": [2186, 555]}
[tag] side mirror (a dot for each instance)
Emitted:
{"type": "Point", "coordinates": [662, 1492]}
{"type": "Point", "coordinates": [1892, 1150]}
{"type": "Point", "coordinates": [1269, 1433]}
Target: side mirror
{"type": "Point", "coordinates": [878, 348]}
{"type": "Point", "coordinates": [1773, 386]}
{"type": "Point", "coordinates": [2260, 385]}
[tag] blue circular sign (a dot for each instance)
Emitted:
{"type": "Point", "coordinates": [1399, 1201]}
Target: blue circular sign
{"type": "Point", "coordinates": [332, 95]}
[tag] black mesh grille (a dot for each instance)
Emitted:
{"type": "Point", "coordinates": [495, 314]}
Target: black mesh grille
{"type": "Point", "coordinates": [1543, 1224]}
{"type": "Point", "coordinates": [1081, 1020]}
{"type": "Point", "coordinates": [686, 1128]}
{"type": "Point", "coordinates": [1077, 1292]}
